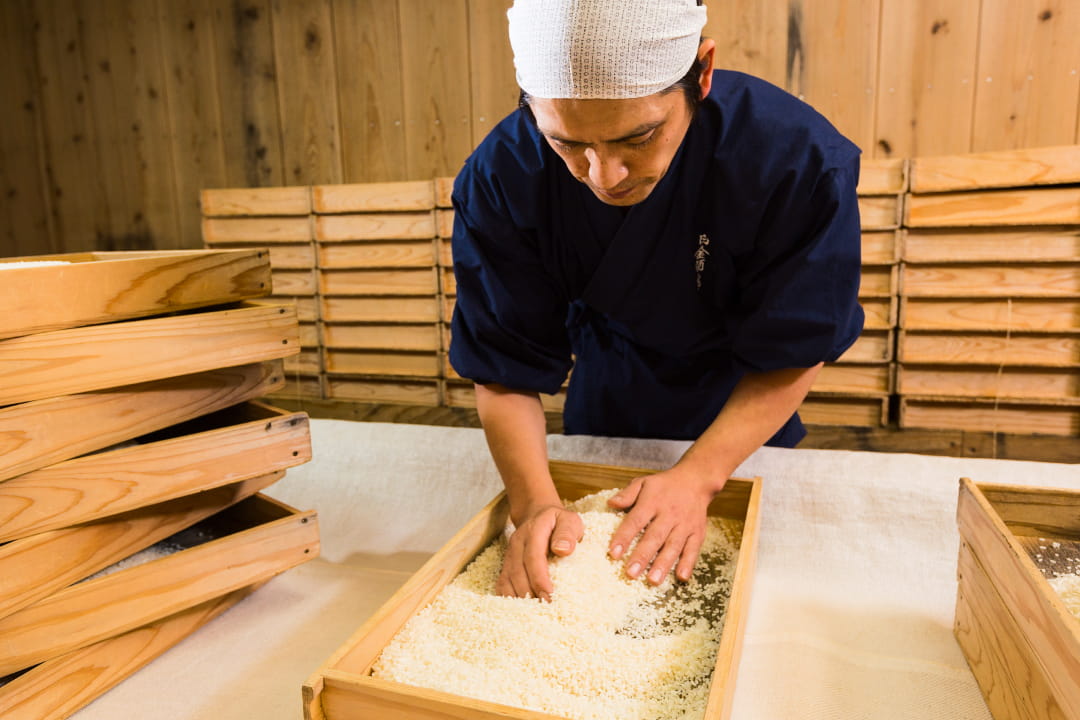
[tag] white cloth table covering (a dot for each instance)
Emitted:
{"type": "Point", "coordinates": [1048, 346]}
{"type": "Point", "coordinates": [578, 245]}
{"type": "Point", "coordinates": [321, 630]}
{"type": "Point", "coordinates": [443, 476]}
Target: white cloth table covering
{"type": "Point", "coordinates": [853, 597]}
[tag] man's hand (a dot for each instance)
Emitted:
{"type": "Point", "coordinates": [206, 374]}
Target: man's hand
{"type": "Point", "coordinates": [549, 528]}
{"type": "Point", "coordinates": [671, 507]}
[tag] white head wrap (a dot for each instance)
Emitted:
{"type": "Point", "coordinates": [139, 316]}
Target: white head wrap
{"type": "Point", "coordinates": [603, 48]}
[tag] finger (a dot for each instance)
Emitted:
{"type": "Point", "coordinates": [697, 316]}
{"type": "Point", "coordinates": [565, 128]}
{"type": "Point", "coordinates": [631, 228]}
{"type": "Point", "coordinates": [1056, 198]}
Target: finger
{"type": "Point", "coordinates": [689, 558]}
{"type": "Point", "coordinates": [567, 533]}
{"type": "Point", "coordinates": [536, 567]}
{"type": "Point", "coordinates": [666, 558]}
{"type": "Point", "coordinates": [649, 544]}
{"type": "Point", "coordinates": [627, 496]}
{"type": "Point", "coordinates": [513, 581]}
{"type": "Point", "coordinates": [628, 529]}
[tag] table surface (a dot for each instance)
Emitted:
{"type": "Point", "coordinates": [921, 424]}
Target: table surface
{"type": "Point", "coordinates": [852, 600]}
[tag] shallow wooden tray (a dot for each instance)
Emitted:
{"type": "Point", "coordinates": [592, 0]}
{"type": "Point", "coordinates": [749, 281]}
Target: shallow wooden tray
{"type": "Point", "coordinates": [100, 287]}
{"type": "Point", "coordinates": [226, 447]}
{"type": "Point", "coordinates": [1020, 641]}
{"type": "Point", "coordinates": [64, 362]}
{"type": "Point", "coordinates": [343, 689]}
{"type": "Point", "coordinates": [57, 688]}
{"type": "Point", "coordinates": [36, 434]}
{"type": "Point", "coordinates": [252, 541]}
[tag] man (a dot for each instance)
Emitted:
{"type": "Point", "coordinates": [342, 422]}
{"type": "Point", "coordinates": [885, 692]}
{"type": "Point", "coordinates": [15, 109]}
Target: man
{"type": "Point", "coordinates": [687, 239]}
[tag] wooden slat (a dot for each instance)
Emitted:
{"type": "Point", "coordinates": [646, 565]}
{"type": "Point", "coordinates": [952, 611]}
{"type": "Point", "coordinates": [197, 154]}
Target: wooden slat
{"type": "Point", "coordinates": [989, 382]}
{"type": "Point", "coordinates": [992, 245]}
{"type": "Point", "coordinates": [97, 609]}
{"type": "Point", "coordinates": [375, 226]}
{"type": "Point", "coordinates": [878, 281]}
{"type": "Point", "coordinates": [1043, 206]}
{"type": "Point", "coordinates": [434, 68]}
{"type": "Point", "coordinates": [381, 337]}
{"type": "Point", "coordinates": [307, 310]}
{"type": "Point", "coordinates": [295, 283]}
{"type": "Point", "coordinates": [378, 282]}
{"type": "Point", "coordinates": [882, 176]}
{"type": "Point", "coordinates": [380, 309]}
{"type": "Point", "coordinates": [248, 94]}
{"type": "Point", "coordinates": [444, 188]}
{"type": "Point", "coordinates": [105, 356]}
{"type": "Point", "coordinates": [880, 247]}
{"type": "Point", "coordinates": [299, 387]}
{"type": "Point", "coordinates": [378, 391]}
{"type": "Point", "coordinates": [409, 364]}
{"type": "Point", "coordinates": [261, 231]}
{"type": "Point", "coordinates": [59, 687]}
{"type": "Point", "coordinates": [852, 411]}
{"type": "Point", "coordinates": [880, 313]}
{"type": "Point", "coordinates": [873, 346]}
{"type": "Point", "coordinates": [117, 481]}
{"type": "Point", "coordinates": [879, 212]}
{"type": "Point", "coordinates": [375, 254]}
{"type": "Point", "coordinates": [256, 201]}
{"type": "Point", "coordinates": [1027, 94]}
{"type": "Point", "coordinates": [307, 98]}
{"type": "Point", "coordinates": [35, 567]}
{"type": "Point", "coordinates": [862, 379]}
{"type": "Point", "coordinates": [309, 335]}
{"type": "Point", "coordinates": [448, 280]}
{"type": "Point", "coordinates": [1003, 416]}
{"type": "Point", "coordinates": [107, 287]}
{"type": "Point", "coordinates": [1000, 169]}
{"type": "Point", "coordinates": [37, 434]}
{"type": "Point", "coordinates": [307, 362]}
{"type": "Point", "coordinates": [1013, 280]}
{"type": "Point", "coordinates": [444, 224]}
{"type": "Point", "coordinates": [927, 53]}
{"type": "Point", "coordinates": [991, 315]}
{"type": "Point", "coordinates": [368, 44]}
{"type": "Point", "coordinates": [1045, 350]}
{"type": "Point", "coordinates": [374, 197]}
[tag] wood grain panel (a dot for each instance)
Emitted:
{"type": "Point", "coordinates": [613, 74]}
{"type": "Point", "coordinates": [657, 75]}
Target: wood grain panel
{"type": "Point", "coordinates": [837, 410]}
{"type": "Point", "coordinates": [992, 245]}
{"type": "Point", "coordinates": [375, 226]}
{"type": "Point", "coordinates": [190, 70]}
{"type": "Point", "coordinates": [753, 37]}
{"type": "Point", "coordinates": [420, 254]}
{"type": "Point", "coordinates": [1014, 281]}
{"type": "Point", "coordinates": [307, 97]}
{"type": "Point", "coordinates": [883, 176]}
{"type": "Point", "coordinates": [880, 313]}
{"type": "Point", "coordinates": [926, 97]}
{"type": "Point", "coordinates": [990, 314]}
{"type": "Point", "coordinates": [879, 212]}
{"type": "Point", "coordinates": [377, 391]}
{"type": "Point", "coordinates": [256, 231]}
{"type": "Point", "coordinates": [227, 202]}
{"type": "Point", "coordinates": [1005, 168]}
{"type": "Point", "coordinates": [493, 90]}
{"type": "Point", "coordinates": [24, 211]}
{"type": "Point", "coordinates": [351, 362]}
{"type": "Point", "coordinates": [367, 43]}
{"type": "Point", "coordinates": [989, 382]}
{"type": "Point", "coordinates": [434, 68]}
{"type": "Point", "coordinates": [859, 379]}
{"type": "Point", "coordinates": [880, 247]}
{"type": "Point", "coordinates": [374, 197]}
{"type": "Point", "coordinates": [1045, 206]}
{"type": "Point", "coordinates": [382, 337]}
{"type": "Point", "coordinates": [1027, 81]}
{"type": "Point", "coordinates": [248, 94]}
{"type": "Point", "coordinates": [378, 282]}
{"type": "Point", "coordinates": [375, 309]}
{"type": "Point", "coordinates": [872, 346]}
{"type": "Point", "coordinates": [877, 281]}
{"type": "Point", "coordinates": [1004, 416]}
{"type": "Point", "coordinates": [1044, 350]}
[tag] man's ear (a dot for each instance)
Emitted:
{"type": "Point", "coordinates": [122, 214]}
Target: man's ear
{"type": "Point", "coordinates": [706, 54]}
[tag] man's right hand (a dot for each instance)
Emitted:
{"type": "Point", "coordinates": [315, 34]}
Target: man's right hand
{"type": "Point", "coordinates": [547, 529]}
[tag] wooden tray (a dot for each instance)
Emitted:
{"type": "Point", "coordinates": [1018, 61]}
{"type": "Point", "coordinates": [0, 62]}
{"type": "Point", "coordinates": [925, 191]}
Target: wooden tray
{"type": "Point", "coordinates": [64, 362]}
{"type": "Point", "coordinates": [37, 566]}
{"type": "Point", "coordinates": [225, 447]}
{"type": "Point", "coordinates": [1020, 641]}
{"type": "Point", "coordinates": [36, 434]}
{"type": "Point", "coordinates": [100, 287]}
{"type": "Point", "coordinates": [343, 689]}
{"type": "Point", "coordinates": [57, 688]}
{"type": "Point", "coordinates": [266, 538]}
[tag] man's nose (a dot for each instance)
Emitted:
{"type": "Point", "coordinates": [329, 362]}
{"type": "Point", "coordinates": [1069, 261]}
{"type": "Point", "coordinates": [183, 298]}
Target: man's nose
{"type": "Point", "coordinates": [606, 169]}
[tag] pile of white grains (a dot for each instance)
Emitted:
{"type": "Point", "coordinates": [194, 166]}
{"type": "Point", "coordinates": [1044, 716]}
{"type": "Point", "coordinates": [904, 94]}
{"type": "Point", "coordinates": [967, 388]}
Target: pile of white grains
{"type": "Point", "coordinates": [605, 648]}
{"type": "Point", "coordinates": [1068, 587]}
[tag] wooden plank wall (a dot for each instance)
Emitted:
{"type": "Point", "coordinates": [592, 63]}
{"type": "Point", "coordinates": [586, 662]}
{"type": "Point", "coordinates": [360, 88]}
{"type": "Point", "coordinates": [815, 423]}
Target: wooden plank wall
{"type": "Point", "coordinates": [120, 110]}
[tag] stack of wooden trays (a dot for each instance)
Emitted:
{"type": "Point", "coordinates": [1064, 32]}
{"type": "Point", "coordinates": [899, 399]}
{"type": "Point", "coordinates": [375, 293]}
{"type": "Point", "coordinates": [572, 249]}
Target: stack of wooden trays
{"type": "Point", "coordinates": [131, 457]}
{"type": "Point", "coordinates": [278, 219]}
{"type": "Point", "coordinates": [380, 291]}
{"type": "Point", "coordinates": [990, 321]}
{"type": "Point", "coordinates": [855, 389]}
{"type": "Point", "coordinates": [1019, 638]}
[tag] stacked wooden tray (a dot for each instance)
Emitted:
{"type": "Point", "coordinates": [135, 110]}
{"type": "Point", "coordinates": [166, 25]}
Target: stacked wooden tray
{"type": "Point", "coordinates": [990, 321]}
{"type": "Point", "coordinates": [278, 219]}
{"type": "Point", "coordinates": [1021, 642]}
{"type": "Point", "coordinates": [380, 291]}
{"type": "Point", "coordinates": [855, 390]}
{"type": "Point", "coordinates": [131, 457]}
{"type": "Point", "coordinates": [343, 689]}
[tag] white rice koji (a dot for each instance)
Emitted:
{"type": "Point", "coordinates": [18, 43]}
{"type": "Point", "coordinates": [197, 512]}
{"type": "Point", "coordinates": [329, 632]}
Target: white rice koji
{"type": "Point", "coordinates": [605, 648]}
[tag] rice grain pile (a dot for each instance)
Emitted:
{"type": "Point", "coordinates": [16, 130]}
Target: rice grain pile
{"type": "Point", "coordinates": [605, 648]}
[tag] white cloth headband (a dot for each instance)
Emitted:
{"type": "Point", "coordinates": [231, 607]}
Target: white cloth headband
{"type": "Point", "coordinates": [603, 48]}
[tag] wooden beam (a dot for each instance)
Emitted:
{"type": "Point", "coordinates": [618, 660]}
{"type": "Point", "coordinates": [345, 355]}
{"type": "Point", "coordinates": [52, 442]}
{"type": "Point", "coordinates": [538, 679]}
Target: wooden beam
{"type": "Point", "coordinates": [1004, 168]}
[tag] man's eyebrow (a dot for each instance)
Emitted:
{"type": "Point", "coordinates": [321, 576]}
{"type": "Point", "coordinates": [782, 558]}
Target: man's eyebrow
{"type": "Point", "coordinates": [639, 130]}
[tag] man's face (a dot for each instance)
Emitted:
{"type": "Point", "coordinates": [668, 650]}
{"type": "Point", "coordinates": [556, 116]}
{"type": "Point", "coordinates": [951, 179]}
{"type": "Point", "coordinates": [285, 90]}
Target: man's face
{"type": "Point", "coordinates": [619, 148]}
